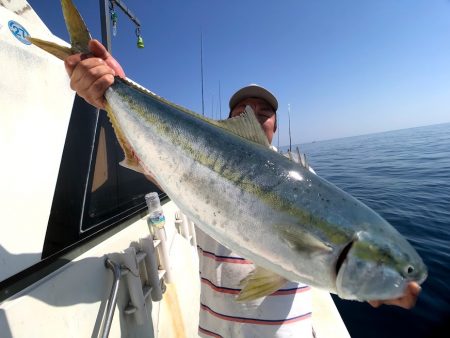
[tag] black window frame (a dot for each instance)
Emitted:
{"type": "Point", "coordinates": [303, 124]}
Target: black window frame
{"type": "Point", "coordinates": [69, 212]}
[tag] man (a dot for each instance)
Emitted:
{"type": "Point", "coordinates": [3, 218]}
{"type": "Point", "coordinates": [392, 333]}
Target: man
{"type": "Point", "coordinates": [287, 312]}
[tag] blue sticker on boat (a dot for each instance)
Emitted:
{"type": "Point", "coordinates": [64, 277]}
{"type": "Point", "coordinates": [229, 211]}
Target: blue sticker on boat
{"type": "Point", "coordinates": [19, 32]}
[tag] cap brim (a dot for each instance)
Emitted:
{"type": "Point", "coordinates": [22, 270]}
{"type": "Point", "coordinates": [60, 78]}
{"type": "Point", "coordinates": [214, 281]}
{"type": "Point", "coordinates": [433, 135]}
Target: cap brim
{"type": "Point", "coordinates": [256, 91]}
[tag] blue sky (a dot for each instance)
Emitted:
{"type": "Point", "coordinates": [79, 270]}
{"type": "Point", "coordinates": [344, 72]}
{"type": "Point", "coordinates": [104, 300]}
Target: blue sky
{"type": "Point", "coordinates": [346, 67]}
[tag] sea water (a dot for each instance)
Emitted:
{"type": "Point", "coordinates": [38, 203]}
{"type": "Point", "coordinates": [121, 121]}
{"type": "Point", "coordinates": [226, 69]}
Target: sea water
{"type": "Point", "coordinates": [403, 175]}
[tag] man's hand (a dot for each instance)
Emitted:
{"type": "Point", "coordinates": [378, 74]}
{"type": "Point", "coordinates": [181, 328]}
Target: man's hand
{"type": "Point", "coordinates": [407, 301]}
{"type": "Point", "coordinates": [90, 75]}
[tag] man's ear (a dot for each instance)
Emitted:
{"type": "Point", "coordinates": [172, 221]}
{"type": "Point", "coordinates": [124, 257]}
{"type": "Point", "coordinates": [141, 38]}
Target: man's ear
{"type": "Point", "coordinates": [275, 124]}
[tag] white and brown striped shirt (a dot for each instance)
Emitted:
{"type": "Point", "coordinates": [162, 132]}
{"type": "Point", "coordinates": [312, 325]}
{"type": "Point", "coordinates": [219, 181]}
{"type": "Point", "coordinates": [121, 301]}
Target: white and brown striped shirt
{"type": "Point", "coordinates": [285, 313]}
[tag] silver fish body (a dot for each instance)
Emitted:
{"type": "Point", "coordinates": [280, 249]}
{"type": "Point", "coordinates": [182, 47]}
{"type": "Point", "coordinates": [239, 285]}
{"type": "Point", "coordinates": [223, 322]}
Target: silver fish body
{"type": "Point", "coordinates": [262, 205]}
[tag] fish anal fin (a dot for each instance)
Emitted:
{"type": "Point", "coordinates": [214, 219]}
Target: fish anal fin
{"type": "Point", "coordinates": [259, 283]}
{"type": "Point", "coordinates": [247, 126]}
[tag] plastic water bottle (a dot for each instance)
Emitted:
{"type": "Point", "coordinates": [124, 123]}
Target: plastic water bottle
{"type": "Point", "coordinates": [155, 213]}
{"type": "Point", "coordinates": [156, 222]}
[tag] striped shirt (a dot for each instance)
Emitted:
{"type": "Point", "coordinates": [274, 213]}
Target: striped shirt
{"type": "Point", "coordinates": [285, 313]}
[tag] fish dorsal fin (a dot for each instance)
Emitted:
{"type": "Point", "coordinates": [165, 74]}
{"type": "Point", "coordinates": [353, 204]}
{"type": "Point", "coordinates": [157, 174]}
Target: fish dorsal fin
{"type": "Point", "coordinates": [298, 157]}
{"type": "Point", "coordinates": [259, 283]}
{"type": "Point", "coordinates": [247, 126]}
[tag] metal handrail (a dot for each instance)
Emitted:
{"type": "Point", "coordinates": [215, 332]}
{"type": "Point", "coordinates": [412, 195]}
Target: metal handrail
{"type": "Point", "coordinates": [109, 311]}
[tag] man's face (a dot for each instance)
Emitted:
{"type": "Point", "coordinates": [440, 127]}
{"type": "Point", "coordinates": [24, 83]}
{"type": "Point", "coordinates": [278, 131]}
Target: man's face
{"type": "Point", "coordinates": [263, 111]}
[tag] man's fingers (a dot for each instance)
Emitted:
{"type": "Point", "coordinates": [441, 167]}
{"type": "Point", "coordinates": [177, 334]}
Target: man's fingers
{"type": "Point", "coordinates": [71, 62]}
{"type": "Point", "coordinates": [99, 102]}
{"type": "Point", "coordinates": [98, 88]}
{"type": "Point", "coordinates": [375, 303]}
{"type": "Point", "coordinates": [407, 301]}
{"type": "Point", "coordinates": [87, 72]}
{"type": "Point", "coordinates": [91, 74]}
{"type": "Point", "coordinates": [111, 62]}
{"type": "Point", "coordinates": [89, 68]}
{"type": "Point", "coordinates": [414, 288]}
{"type": "Point", "coordinates": [90, 79]}
{"type": "Point", "coordinates": [98, 50]}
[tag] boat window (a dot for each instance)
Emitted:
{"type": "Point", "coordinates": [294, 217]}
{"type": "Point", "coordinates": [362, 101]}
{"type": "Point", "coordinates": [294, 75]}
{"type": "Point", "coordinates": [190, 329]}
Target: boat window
{"type": "Point", "coordinates": [93, 190]}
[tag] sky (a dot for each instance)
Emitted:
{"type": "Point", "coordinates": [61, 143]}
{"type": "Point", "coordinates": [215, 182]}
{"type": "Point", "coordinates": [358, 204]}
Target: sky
{"type": "Point", "coordinates": [345, 67]}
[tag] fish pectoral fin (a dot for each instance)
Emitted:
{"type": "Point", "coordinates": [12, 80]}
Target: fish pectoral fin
{"type": "Point", "coordinates": [259, 283]}
{"type": "Point", "coordinates": [61, 52]}
{"type": "Point", "coordinates": [246, 125]}
{"type": "Point", "coordinates": [133, 165]}
{"type": "Point", "coordinates": [130, 161]}
{"type": "Point", "coordinates": [301, 240]}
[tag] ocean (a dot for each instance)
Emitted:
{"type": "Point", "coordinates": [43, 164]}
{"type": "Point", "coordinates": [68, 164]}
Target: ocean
{"type": "Point", "coordinates": [404, 175]}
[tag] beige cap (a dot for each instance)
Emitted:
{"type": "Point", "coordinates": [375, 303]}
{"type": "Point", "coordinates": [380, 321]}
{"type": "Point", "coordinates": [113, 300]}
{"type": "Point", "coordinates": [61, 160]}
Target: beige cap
{"type": "Point", "coordinates": [253, 90]}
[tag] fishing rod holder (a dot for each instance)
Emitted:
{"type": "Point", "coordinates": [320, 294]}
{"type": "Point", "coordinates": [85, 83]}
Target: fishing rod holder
{"type": "Point", "coordinates": [140, 267]}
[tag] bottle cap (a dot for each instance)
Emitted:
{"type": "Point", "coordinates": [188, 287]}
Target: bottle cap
{"type": "Point", "coordinates": [152, 200]}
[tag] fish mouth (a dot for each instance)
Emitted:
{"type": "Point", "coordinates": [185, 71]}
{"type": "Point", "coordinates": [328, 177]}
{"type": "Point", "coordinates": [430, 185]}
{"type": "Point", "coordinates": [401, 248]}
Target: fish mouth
{"type": "Point", "coordinates": [343, 256]}
{"type": "Point", "coordinates": [422, 278]}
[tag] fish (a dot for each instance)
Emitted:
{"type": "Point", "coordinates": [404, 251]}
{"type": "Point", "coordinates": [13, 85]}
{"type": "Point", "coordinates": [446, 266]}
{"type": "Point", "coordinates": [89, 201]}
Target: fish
{"type": "Point", "coordinates": [293, 224]}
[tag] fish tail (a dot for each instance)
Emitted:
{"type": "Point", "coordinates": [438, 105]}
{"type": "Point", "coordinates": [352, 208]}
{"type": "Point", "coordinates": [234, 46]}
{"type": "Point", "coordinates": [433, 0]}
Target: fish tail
{"type": "Point", "coordinates": [79, 38]}
{"type": "Point", "coordinates": [61, 52]}
{"type": "Point", "coordinates": [78, 32]}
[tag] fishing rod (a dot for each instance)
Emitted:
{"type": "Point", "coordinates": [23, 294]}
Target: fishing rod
{"type": "Point", "coordinates": [201, 71]}
{"type": "Point", "coordinates": [278, 132]}
{"type": "Point", "coordinates": [289, 118]}
{"type": "Point", "coordinates": [220, 104]}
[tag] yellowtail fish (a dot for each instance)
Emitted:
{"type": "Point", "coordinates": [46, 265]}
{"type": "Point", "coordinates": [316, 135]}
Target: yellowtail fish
{"type": "Point", "coordinates": [291, 223]}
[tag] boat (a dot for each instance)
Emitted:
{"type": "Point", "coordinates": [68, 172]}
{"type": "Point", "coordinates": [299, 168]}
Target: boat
{"type": "Point", "coordinates": [78, 255]}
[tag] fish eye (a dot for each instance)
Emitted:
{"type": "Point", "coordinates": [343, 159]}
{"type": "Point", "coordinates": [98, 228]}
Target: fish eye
{"type": "Point", "coordinates": [409, 269]}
